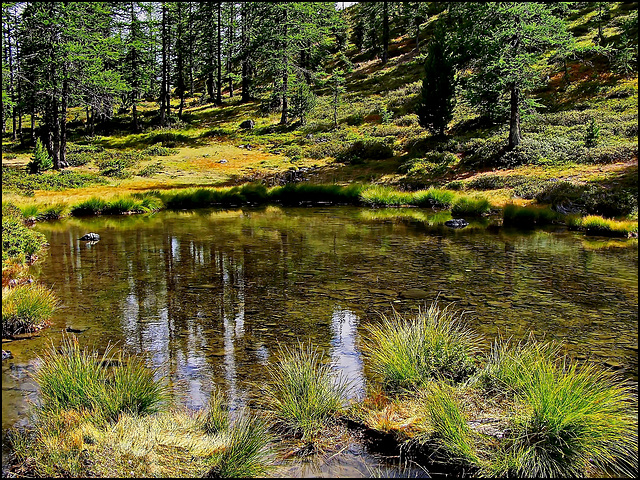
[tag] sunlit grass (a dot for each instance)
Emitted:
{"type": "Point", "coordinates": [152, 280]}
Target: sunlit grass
{"type": "Point", "coordinates": [304, 394]}
{"type": "Point", "coordinates": [75, 378]}
{"type": "Point", "coordinates": [573, 418]}
{"type": "Point", "coordinates": [26, 308]}
{"type": "Point", "coordinates": [410, 352]}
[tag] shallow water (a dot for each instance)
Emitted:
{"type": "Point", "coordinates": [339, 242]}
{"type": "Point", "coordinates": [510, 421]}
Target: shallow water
{"type": "Point", "coordinates": [208, 296]}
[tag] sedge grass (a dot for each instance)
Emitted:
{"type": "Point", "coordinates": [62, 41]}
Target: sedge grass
{"type": "Point", "coordinates": [527, 216]}
{"type": "Point", "coordinates": [450, 426]}
{"type": "Point", "coordinates": [572, 420]}
{"type": "Point", "coordinates": [305, 394]}
{"type": "Point", "coordinates": [471, 207]}
{"type": "Point", "coordinates": [247, 451]}
{"type": "Point", "coordinates": [408, 353]}
{"type": "Point", "coordinates": [26, 308]}
{"type": "Point", "coordinates": [75, 378]}
{"type": "Point", "coordinates": [215, 417]}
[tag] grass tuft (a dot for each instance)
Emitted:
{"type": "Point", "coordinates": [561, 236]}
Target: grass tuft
{"type": "Point", "coordinates": [74, 378]}
{"type": "Point", "coordinates": [470, 207]}
{"type": "Point", "coordinates": [26, 308]}
{"type": "Point", "coordinates": [305, 394]}
{"type": "Point", "coordinates": [409, 353]}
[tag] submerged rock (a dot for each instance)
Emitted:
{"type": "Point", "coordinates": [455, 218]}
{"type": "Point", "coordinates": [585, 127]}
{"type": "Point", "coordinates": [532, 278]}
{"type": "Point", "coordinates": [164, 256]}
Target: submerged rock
{"type": "Point", "coordinates": [456, 223]}
{"type": "Point", "coordinates": [247, 124]}
{"type": "Point", "coordinates": [90, 237]}
{"type": "Point", "coordinates": [415, 293]}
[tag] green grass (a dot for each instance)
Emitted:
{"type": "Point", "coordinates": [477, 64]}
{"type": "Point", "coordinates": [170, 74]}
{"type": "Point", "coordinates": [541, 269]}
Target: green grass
{"type": "Point", "coordinates": [528, 216]}
{"type": "Point", "coordinates": [26, 308]}
{"type": "Point", "coordinates": [470, 207]}
{"type": "Point", "coordinates": [247, 452]}
{"type": "Point", "coordinates": [573, 421]}
{"type": "Point", "coordinates": [215, 418]}
{"type": "Point", "coordinates": [596, 225]}
{"type": "Point", "coordinates": [304, 393]}
{"type": "Point", "coordinates": [409, 353]}
{"type": "Point", "coordinates": [450, 426]}
{"type": "Point", "coordinates": [75, 378]}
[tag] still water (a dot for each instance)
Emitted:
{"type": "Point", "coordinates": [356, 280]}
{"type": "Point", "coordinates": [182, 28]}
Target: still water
{"type": "Point", "coordinates": [209, 296]}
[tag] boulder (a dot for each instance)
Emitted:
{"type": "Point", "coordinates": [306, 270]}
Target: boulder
{"type": "Point", "coordinates": [247, 124]}
{"type": "Point", "coordinates": [90, 237]}
{"type": "Point", "coordinates": [6, 354]}
{"type": "Point", "coordinates": [456, 223]}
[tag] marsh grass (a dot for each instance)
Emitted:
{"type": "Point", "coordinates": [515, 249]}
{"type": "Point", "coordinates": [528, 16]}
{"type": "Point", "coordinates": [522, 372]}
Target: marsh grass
{"type": "Point", "coordinates": [305, 394]}
{"type": "Point", "coordinates": [472, 207]}
{"type": "Point", "coordinates": [247, 451]}
{"type": "Point", "coordinates": [597, 225]}
{"type": "Point", "coordinates": [168, 444]}
{"type": "Point", "coordinates": [75, 378]}
{"type": "Point", "coordinates": [215, 417]}
{"type": "Point", "coordinates": [572, 420]}
{"type": "Point", "coordinates": [26, 308]}
{"type": "Point", "coordinates": [450, 426]}
{"type": "Point", "coordinates": [409, 353]}
{"type": "Point", "coordinates": [528, 216]}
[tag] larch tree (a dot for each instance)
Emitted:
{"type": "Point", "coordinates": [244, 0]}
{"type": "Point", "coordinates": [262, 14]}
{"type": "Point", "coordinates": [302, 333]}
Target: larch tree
{"type": "Point", "coordinates": [500, 43]}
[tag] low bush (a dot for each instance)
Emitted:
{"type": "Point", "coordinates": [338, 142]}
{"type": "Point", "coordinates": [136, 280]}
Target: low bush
{"type": "Point", "coordinates": [150, 170]}
{"type": "Point", "coordinates": [367, 149]}
{"type": "Point", "coordinates": [79, 159]}
{"type": "Point", "coordinates": [409, 353]}
{"type": "Point", "coordinates": [305, 394]}
{"type": "Point", "coordinates": [158, 150]}
{"type": "Point", "coordinates": [18, 180]}
{"type": "Point", "coordinates": [26, 308]}
{"type": "Point", "coordinates": [19, 243]}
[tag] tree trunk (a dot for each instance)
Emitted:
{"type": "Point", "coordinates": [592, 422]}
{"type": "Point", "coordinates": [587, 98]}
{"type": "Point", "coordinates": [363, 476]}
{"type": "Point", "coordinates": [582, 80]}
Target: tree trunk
{"type": "Point", "coordinates": [230, 35]}
{"type": "Point", "coordinates": [418, 34]}
{"type": "Point", "coordinates": [515, 136]}
{"type": "Point", "coordinates": [385, 33]}
{"type": "Point", "coordinates": [163, 84]}
{"type": "Point", "coordinates": [134, 85]}
{"type": "Point", "coordinates": [219, 53]}
{"type": "Point", "coordinates": [285, 74]}
{"type": "Point", "coordinates": [63, 117]}
{"type": "Point", "coordinates": [246, 96]}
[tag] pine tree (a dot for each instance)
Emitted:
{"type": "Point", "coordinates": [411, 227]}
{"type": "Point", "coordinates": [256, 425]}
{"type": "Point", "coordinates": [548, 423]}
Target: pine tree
{"type": "Point", "coordinates": [437, 98]}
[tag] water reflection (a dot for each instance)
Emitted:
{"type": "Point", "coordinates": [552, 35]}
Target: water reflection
{"type": "Point", "coordinates": [344, 354]}
{"type": "Point", "coordinates": [207, 297]}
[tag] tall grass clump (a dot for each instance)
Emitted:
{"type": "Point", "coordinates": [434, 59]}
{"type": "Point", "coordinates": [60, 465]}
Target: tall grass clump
{"type": "Point", "coordinates": [305, 393]}
{"type": "Point", "coordinates": [215, 417]}
{"type": "Point", "coordinates": [75, 378]}
{"type": "Point", "coordinates": [466, 206]}
{"type": "Point", "coordinates": [382, 195]}
{"type": "Point", "coordinates": [434, 197]}
{"type": "Point", "coordinates": [408, 353]}
{"type": "Point", "coordinates": [597, 225]}
{"type": "Point", "coordinates": [450, 426]}
{"type": "Point", "coordinates": [527, 216]}
{"type": "Point", "coordinates": [26, 308]}
{"type": "Point", "coordinates": [92, 206]}
{"type": "Point", "coordinates": [572, 420]}
{"type": "Point", "coordinates": [247, 452]}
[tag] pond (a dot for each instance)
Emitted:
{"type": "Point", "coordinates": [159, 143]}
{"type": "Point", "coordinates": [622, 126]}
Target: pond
{"type": "Point", "coordinates": [209, 296]}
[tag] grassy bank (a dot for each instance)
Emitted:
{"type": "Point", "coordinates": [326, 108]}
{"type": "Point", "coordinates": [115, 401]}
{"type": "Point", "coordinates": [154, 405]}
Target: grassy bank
{"type": "Point", "coordinates": [520, 409]}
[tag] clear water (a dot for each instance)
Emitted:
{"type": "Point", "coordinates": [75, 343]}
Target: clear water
{"type": "Point", "coordinates": [209, 296]}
